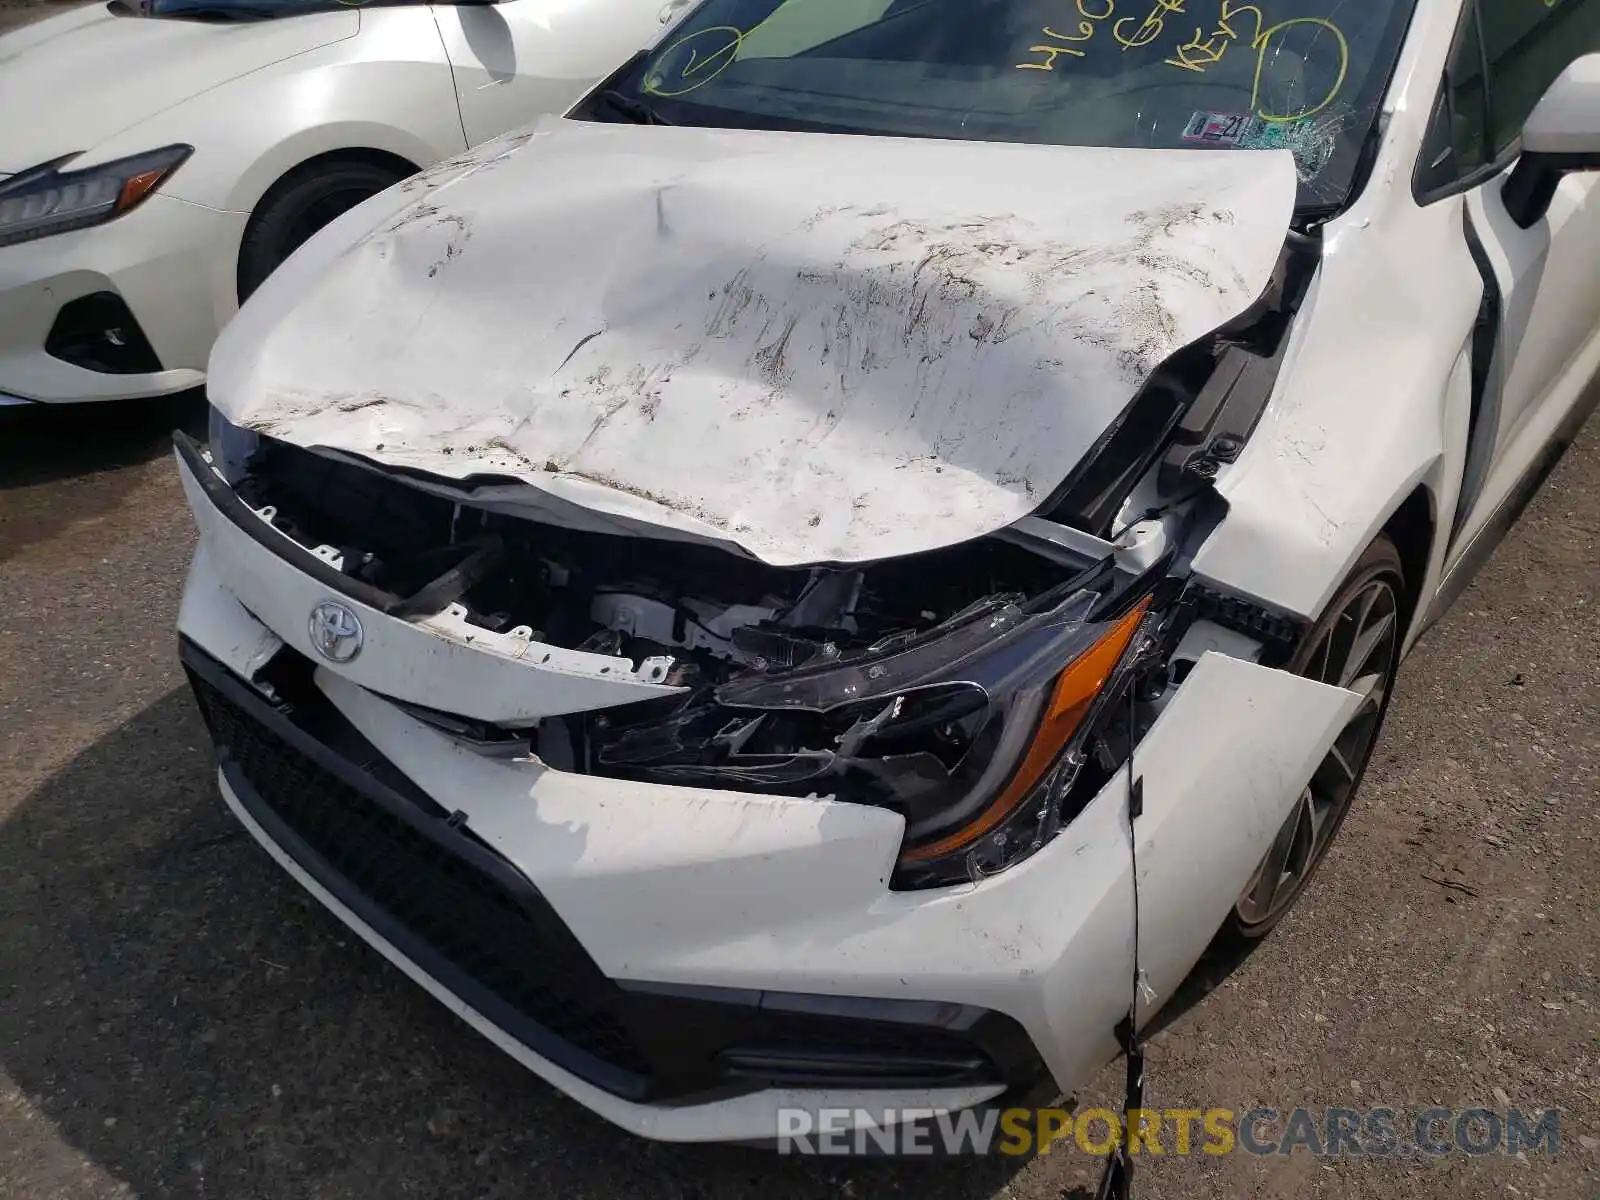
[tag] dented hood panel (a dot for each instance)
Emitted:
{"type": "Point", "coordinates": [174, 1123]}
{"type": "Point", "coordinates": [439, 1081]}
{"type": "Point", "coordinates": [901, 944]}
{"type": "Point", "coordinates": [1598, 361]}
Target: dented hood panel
{"type": "Point", "coordinates": [811, 347]}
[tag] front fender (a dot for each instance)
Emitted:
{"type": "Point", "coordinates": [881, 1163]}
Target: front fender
{"type": "Point", "coordinates": [248, 133]}
{"type": "Point", "coordinates": [1372, 403]}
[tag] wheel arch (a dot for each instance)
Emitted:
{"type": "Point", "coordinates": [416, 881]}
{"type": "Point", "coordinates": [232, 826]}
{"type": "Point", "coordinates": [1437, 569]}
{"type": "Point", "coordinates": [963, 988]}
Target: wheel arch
{"type": "Point", "coordinates": [371, 155]}
{"type": "Point", "coordinates": [362, 154]}
{"type": "Point", "coordinates": [1413, 527]}
{"type": "Point", "coordinates": [357, 155]}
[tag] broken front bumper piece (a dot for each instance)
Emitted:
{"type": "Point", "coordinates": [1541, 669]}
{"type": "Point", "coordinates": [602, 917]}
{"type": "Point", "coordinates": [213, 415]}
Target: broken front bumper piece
{"type": "Point", "coordinates": [687, 962]}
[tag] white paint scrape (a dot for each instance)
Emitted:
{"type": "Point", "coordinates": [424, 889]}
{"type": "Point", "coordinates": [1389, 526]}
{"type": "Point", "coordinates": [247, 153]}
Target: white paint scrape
{"type": "Point", "coordinates": [814, 347]}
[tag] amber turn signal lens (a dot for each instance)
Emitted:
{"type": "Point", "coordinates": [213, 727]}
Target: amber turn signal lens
{"type": "Point", "coordinates": [1075, 690]}
{"type": "Point", "coordinates": [137, 187]}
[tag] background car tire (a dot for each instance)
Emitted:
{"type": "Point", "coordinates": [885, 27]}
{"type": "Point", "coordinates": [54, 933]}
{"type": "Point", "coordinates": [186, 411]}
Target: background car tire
{"type": "Point", "coordinates": [1356, 643]}
{"type": "Point", "coordinates": [301, 203]}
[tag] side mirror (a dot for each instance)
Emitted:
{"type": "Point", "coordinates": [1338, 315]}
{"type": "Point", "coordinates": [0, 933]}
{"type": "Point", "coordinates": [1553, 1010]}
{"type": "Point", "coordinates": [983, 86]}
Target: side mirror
{"type": "Point", "coordinates": [1562, 135]}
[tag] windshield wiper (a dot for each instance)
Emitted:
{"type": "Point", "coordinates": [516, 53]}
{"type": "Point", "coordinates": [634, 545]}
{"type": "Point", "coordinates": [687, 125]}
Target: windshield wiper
{"type": "Point", "coordinates": [636, 111]}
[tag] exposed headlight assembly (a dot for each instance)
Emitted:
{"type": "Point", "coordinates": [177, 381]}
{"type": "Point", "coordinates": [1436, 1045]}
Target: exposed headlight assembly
{"type": "Point", "coordinates": [974, 731]}
{"type": "Point", "coordinates": [230, 446]}
{"type": "Point", "coordinates": [47, 200]}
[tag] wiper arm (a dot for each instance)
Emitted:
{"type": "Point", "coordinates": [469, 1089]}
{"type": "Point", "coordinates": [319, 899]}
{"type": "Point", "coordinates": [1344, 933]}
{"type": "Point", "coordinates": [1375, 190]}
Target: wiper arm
{"type": "Point", "coordinates": [636, 111]}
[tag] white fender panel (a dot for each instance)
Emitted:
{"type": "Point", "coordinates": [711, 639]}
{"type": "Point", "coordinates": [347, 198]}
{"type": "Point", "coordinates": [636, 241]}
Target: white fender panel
{"type": "Point", "coordinates": [1347, 437]}
{"type": "Point", "coordinates": [375, 91]}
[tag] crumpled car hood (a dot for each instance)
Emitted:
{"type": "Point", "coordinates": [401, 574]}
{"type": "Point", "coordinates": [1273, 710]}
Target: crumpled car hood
{"type": "Point", "coordinates": [810, 347]}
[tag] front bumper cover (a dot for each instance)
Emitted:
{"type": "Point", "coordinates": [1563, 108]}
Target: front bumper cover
{"type": "Point", "coordinates": [164, 261]}
{"type": "Point", "coordinates": [419, 876]}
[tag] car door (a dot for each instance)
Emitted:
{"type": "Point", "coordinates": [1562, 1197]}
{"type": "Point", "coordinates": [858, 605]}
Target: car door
{"type": "Point", "coordinates": [1543, 282]}
{"type": "Point", "coordinates": [517, 59]}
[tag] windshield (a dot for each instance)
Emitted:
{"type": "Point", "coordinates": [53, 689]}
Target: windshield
{"type": "Point", "coordinates": [1306, 75]}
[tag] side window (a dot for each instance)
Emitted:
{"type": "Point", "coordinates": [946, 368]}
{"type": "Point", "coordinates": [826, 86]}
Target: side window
{"type": "Point", "coordinates": [1527, 43]}
{"type": "Point", "coordinates": [1469, 98]}
{"type": "Point", "coordinates": [1507, 54]}
{"type": "Point", "coordinates": [1457, 144]}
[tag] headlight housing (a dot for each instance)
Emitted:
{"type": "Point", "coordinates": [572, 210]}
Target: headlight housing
{"type": "Point", "coordinates": [47, 200]}
{"type": "Point", "coordinates": [974, 731]}
{"type": "Point", "coordinates": [230, 446]}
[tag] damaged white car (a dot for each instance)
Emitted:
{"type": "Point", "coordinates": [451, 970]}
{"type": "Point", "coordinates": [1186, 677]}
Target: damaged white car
{"type": "Point", "coordinates": [828, 576]}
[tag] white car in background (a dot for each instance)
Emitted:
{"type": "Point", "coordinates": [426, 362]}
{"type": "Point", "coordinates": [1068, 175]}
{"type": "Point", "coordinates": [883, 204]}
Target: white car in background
{"type": "Point", "coordinates": [826, 577]}
{"type": "Point", "coordinates": [158, 161]}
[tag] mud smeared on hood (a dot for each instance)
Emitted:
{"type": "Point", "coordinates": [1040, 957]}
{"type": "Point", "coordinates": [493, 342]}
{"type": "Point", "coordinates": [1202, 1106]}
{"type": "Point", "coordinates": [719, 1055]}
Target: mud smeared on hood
{"type": "Point", "coordinates": [813, 347]}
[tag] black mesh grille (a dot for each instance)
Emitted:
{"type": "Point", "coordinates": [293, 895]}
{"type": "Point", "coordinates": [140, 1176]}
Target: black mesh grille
{"type": "Point", "coordinates": [442, 900]}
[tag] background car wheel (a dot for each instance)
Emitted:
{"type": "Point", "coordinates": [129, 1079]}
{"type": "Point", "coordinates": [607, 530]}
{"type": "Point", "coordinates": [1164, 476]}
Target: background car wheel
{"type": "Point", "coordinates": [1355, 644]}
{"type": "Point", "coordinates": [301, 203]}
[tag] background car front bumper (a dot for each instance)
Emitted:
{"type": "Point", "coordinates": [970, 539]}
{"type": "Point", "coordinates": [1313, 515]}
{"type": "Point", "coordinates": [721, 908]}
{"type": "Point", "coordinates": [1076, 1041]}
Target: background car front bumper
{"type": "Point", "coordinates": [163, 274]}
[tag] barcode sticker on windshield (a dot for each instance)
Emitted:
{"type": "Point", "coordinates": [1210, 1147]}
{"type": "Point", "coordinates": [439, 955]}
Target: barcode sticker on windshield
{"type": "Point", "coordinates": [1218, 128]}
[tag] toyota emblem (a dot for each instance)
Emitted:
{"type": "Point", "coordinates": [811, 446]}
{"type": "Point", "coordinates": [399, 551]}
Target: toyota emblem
{"type": "Point", "coordinates": [335, 631]}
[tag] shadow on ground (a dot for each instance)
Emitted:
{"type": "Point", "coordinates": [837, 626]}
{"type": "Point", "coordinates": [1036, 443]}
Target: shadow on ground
{"type": "Point", "coordinates": [186, 1018]}
{"type": "Point", "coordinates": [93, 445]}
{"type": "Point", "coordinates": [42, 444]}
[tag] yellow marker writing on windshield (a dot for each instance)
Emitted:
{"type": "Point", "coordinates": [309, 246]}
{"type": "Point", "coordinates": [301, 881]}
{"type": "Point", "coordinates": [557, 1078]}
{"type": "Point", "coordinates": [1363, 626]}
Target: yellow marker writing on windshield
{"type": "Point", "coordinates": [1086, 29]}
{"type": "Point", "coordinates": [1230, 11]}
{"type": "Point", "coordinates": [1200, 51]}
{"type": "Point", "coordinates": [711, 52]}
{"type": "Point", "coordinates": [1153, 27]}
{"type": "Point", "coordinates": [1265, 40]}
{"type": "Point", "coordinates": [1203, 51]}
{"type": "Point", "coordinates": [1051, 54]}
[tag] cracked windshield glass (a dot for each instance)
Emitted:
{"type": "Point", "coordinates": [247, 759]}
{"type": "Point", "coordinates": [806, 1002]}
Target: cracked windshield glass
{"type": "Point", "coordinates": [1305, 75]}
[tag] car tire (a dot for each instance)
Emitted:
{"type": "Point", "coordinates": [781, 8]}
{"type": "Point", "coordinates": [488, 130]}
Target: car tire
{"type": "Point", "coordinates": [298, 205]}
{"type": "Point", "coordinates": [1356, 644]}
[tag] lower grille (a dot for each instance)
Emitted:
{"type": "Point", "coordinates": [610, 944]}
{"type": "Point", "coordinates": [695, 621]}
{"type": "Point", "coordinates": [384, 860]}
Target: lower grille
{"type": "Point", "coordinates": [460, 905]}
{"type": "Point", "coordinates": [99, 333]}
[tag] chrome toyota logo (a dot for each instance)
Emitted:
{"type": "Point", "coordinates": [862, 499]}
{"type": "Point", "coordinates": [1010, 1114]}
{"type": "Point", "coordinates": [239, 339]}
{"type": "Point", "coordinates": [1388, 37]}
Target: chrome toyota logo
{"type": "Point", "coordinates": [335, 631]}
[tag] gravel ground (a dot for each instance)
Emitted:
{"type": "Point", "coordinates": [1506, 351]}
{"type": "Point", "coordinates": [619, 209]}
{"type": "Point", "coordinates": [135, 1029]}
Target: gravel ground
{"type": "Point", "coordinates": [177, 1019]}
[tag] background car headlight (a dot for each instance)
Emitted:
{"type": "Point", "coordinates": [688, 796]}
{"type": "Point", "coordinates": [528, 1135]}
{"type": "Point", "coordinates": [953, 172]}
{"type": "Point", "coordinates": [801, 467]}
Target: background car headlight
{"type": "Point", "coordinates": [47, 200]}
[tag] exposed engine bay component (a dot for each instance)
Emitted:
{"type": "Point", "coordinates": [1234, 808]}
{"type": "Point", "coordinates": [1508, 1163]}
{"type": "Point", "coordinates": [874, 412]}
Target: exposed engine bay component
{"type": "Point", "coordinates": [760, 636]}
{"type": "Point", "coordinates": [1279, 634]}
{"type": "Point", "coordinates": [959, 688]}
{"type": "Point", "coordinates": [1195, 412]}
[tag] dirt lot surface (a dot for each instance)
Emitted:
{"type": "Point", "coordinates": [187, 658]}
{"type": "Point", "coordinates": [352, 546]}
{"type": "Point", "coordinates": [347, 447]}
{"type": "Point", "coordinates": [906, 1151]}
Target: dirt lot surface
{"type": "Point", "coordinates": [177, 1019]}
